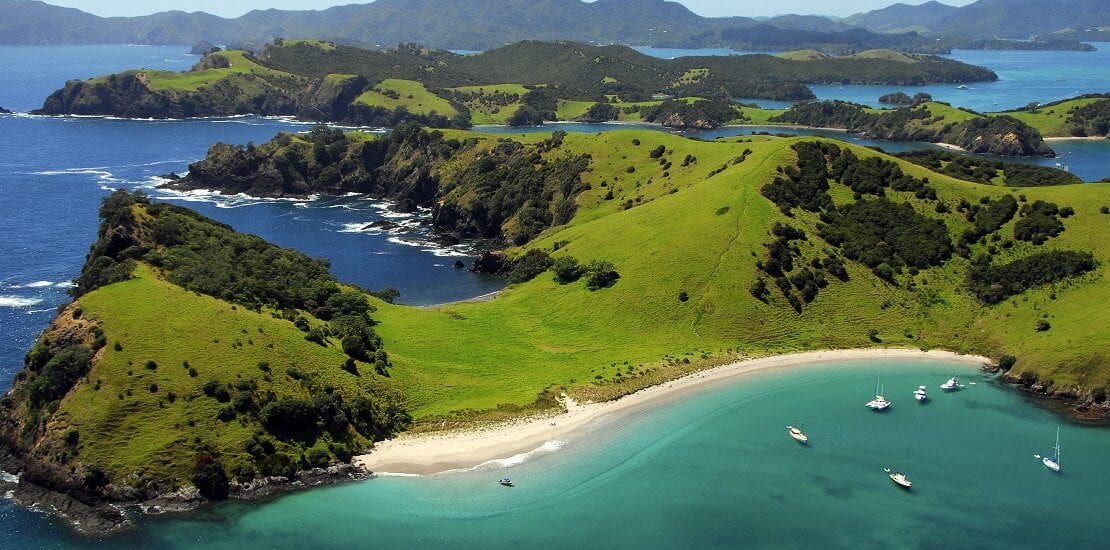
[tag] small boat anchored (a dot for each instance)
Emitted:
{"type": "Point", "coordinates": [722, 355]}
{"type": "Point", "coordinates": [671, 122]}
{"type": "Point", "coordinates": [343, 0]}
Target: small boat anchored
{"type": "Point", "coordinates": [798, 435]}
{"type": "Point", "coordinates": [952, 384]}
{"type": "Point", "coordinates": [506, 482]}
{"type": "Point", "coordinates": [961, 87]}
{"type": "Point", "coordinates": [920, 394]}
{"type": "Point", "coordinates": [878, 403]}
{"type": "Point", "coordinates": [899, 479]}
{"type": "Point", "coordinates": [1052, 462]}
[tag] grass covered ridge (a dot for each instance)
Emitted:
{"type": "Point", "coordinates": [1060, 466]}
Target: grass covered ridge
{"type": "Point", "coordinates": [684, 229]}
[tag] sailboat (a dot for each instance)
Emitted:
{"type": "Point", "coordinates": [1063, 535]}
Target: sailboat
{"type": "Point", "coordinates": [798, 435]}
{"type": "Point", "coordinates": [1052, 462]}
{"type": "Point", "coordinates": [878, 403]}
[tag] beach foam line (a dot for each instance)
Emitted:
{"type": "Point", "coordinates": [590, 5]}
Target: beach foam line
{"type": "Point", "coordinates": [18, 301]}
{"type": "Point", "coordinates": [504, 443]}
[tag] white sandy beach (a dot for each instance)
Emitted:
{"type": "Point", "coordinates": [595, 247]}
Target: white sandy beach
{"type": "Point", "coordinates": [433, 453]}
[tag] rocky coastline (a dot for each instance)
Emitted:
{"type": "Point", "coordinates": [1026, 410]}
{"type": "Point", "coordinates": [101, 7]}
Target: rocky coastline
{"type": "Point", "coordinates": [110, 515]}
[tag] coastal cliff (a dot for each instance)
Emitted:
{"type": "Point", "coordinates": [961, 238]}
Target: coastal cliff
{"type": "Point", "coordinates": [504, 192]}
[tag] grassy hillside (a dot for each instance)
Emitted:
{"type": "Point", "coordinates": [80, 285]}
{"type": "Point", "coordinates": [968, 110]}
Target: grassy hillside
{"type": "Point", "coordinates": [803, 55]}
{"type": "Point", "coordinates": [407, 94]}
{"type": "Point", "coordinates": [889, 55]}
{"type": "Point", "coordinates": [699, 233]}
{"type": "Point", "coordinates": [290, 77]}
{"type": "Point", "coordinates": [673, 238]}
{"type": "Point", "coordinates": [233, 63]}
{"type": "Point", "coordinates": [1058, 119]}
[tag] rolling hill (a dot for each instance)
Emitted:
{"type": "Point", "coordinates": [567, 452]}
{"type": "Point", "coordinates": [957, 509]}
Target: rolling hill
{"type": "Point", "coordinates": [638, 256]}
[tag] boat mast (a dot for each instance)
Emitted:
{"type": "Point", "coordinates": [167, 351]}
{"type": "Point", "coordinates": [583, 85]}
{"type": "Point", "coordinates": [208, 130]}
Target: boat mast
{"type": "Point", "coordinates": [1057, 448]}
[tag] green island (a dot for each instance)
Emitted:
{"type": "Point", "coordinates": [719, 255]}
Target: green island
{"type": "Point", "coordinates": [530, 83]}
{"type": "Point", "coordinates": [197, 363]}
{"type": "Point", "coordinates": [322, 81]}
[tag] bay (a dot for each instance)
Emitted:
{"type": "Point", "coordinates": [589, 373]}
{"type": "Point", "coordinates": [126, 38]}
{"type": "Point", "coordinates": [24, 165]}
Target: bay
{"type": "Point", "coordinates": [708, 469]}
{"type": "Point", "coordinates": [714, 468]}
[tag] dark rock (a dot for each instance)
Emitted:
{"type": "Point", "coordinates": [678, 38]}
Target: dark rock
{"type": "Point", "coordinates": [203, 47]}
{"type": "Point", "coordinates": [494, 263]}
{"type": "Point", "coordinates": [169, 176]}
{"type": "Point", "coordinates": [459, 264]}
{"type": "Point", "coordinates": [4, 111]}
{"type": "Point", "coordinates": [99, 518]}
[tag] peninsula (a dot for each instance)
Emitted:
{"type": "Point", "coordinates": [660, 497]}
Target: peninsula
{"type": "Point", "coordinates": [197, 363]}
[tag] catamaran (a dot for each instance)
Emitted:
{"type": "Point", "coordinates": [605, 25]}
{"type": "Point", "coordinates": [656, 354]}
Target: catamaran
{"type": "Point", "coordinates": [798, 435]}
{"type": "Point", "coordinates": [952, 384]}
{"type": "Point", "coordinates": [506, 482]}
{"type": "Point", "coordinates": [1052, 462]}
{"type": "Point", "coordinates": [878, 403]}
{"type": "Point", "coordinates": [920, 394]}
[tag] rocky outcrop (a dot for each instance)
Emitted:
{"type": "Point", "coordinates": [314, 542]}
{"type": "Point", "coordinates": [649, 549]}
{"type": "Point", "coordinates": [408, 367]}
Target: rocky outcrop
{"type": "Point", "coordinates": [4, 111]}
{"type": "Point", "coordinates": [203, 47]}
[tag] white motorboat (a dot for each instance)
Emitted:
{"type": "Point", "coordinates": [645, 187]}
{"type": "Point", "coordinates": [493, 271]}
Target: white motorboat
{"type": "Point", "coordinates": [506, 482]}
{"type": "Point", "coordinates": [798, 435]}
{"type": "Point", "coordinates": [920, 394]}
{"type": "Point", "coordinates": [899, 479]}
{"type": "Point", "coordinates": [961, 87]}
{"type": "Point", "coordinates": [879, 402]}
{"type": "Point", "coordinates": [1052, 462]}
{"type": "Point", "coordinates": [952, 384]}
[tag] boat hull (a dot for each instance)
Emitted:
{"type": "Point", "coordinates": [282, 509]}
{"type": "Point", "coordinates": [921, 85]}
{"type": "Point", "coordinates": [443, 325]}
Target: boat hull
{"type": "Point", "coordinates": [1050, 464]}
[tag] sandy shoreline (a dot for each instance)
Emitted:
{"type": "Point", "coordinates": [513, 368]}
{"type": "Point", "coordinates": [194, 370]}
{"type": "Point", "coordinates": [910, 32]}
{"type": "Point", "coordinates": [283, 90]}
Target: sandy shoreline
{"type": "Point", "coordinates": [426, 454]}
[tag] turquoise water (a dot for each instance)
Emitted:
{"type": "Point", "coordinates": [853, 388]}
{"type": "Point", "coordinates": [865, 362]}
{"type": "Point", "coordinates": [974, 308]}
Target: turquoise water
{"type": "Point", "coordinates": [715, 469]}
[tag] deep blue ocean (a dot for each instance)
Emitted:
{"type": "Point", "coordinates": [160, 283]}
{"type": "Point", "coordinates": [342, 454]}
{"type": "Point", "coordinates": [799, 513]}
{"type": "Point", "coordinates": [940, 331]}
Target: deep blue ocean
{"type": "Point", "coordinates": [54, 171]}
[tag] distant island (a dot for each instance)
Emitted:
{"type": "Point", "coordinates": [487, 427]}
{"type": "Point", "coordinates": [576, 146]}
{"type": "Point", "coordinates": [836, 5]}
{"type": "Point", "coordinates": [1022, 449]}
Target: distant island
{"type": "Point", "coordinates": [481, 25]}
{"type": "Point", "coordinates": [198, 364]}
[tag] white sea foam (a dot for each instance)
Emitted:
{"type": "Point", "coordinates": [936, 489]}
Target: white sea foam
{"type": "Point", "coordinates": [36, 284]}
{"type": "Point", "coordinates": [515, 460]}
{"type": "Point", "coordinates": [394, 474]}
{"type": "Point", "coordinates": [65, 284]}
{"type": "Point", "coordinates": [8, 477]}
{"type": "Point", "coordinates": [18, 301]}
{"type": "Point", "coordinates": [38, 311]}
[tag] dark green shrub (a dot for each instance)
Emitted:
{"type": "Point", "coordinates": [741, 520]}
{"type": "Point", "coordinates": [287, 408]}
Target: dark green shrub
{"type": "Point", "coordinates": [567, 269]}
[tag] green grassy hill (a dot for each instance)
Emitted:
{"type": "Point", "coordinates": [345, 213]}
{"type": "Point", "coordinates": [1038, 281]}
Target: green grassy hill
{"type": "Point", "coordinates": [674, 237]}
{"type": "Point", "coordinates": [407, 94]}
{"type": "Point", "coordinates": [291, 78]}
{"type": "Point", "coordinates": [1082, 116]}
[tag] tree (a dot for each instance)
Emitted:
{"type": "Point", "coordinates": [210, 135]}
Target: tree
{"type": "Point", "coordinates": [567, 269]}
{"type": "Point", "coordinates": [602, 274]}
{"type": "Point", "coordinates": [210, 478]}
